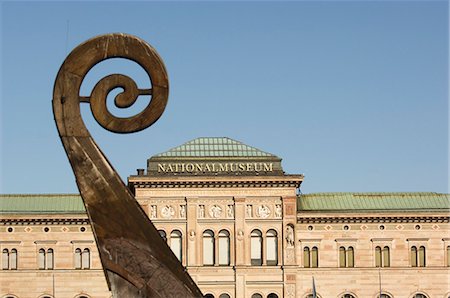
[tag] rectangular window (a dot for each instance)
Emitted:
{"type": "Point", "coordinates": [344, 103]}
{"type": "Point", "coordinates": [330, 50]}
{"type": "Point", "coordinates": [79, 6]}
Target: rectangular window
{"type": "Point", "coordinates": [224, 251]}
{"type": "Point", "coordinates": [272, 258]}
{"type": "Point", "coordinates": [208, 251]}
{"type": "Point", "coordinates": [256, 245]}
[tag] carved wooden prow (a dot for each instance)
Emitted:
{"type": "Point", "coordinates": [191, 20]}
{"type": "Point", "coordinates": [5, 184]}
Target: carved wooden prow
{"type": "Point", "coordinates": [136, 260]}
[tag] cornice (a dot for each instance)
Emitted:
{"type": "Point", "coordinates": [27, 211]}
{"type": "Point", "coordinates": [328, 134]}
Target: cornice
{"type": "Point", "coordinates": [375, 219]}
{"type": "Point", "coordinates": [215, 182]}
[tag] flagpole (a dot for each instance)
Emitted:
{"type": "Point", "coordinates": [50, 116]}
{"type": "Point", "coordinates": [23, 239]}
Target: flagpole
{"type": "Point", "coordinates": [314, 288]}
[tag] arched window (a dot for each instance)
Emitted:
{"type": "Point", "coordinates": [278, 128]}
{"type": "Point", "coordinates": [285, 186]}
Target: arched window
{"type": "Point", "coordinates": [256, 295]}
{"type": "Point", "coordinates": [41, 259]}
{"type": "Point", "coordinates": [224, 295]}
{"type": "Point", "coordinates": [377, 256]}
{"type": "Point", "coordinates": [413, 256]}
{"type": "Point", "coordinates": [382, 256]}
{"type": "Point", "coordinates": [272, 247]}
{"type": "Point", "coordinates": [163, 235]}
{"type": "Point", "coordinates": [419, 295]}
{"type": "Point", "coordinates": [86, 259]}
{"type": "Point", "coordinates": [50, 258]}
{"type": "Point", "coordinates": [386, 257]}
{"type": "Point", "coordinates": [384, 296]}
{"type": "Point", "coordinates": [350, 257]}
{"type": "Point", "coordinates": [5, 259]}
{"type": "Point", "coordinates": [256, 248]}
{"type": "Point", "coordinates": [13, 259]}
{"type": "Point", "coordinates": [422, 257]}
{"type": "Point", "coordinates": [272, 295]}
{"type": "Point", "coordinates": [314, 257]}
{"type": "Point", "coordinates": [448, 256]}
{"type": "Point", "coordinates": [311, 296]}
{"type": "Point", "coordinates": [306, 257]}
{"type": "Point", "coordinates": [209, 296]}
{"type": "Point", "coordinates": [348, 296]}
{"type": "Point", "coordinates": [224, 248]}
{"type": "Point", "coordinates": [176, 244]}
{"type": "Point", "coordinates": [77, 258]}
{"type": "Point", "coordinates": [208, 248]}
{"type": "Point", "coordinates": [342, 258]}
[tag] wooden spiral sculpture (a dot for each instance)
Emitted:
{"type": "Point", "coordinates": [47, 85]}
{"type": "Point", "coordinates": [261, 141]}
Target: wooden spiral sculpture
{"type": "Point", "coordinates": [136, 260]}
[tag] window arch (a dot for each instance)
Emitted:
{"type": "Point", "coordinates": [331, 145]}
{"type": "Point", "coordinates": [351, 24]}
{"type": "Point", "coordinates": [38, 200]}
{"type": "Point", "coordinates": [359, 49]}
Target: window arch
{"type": "Point", "coordinates": [348, 296]}
{"type": "Point", "coordinates": [419, 295]}
{"type": "Point", "coordinates": [77, 258]}
{"type": "Point", "coordinates": [272, 295]}
{"type": "Point", "coordinates": [86, 259]}
{"type": "Point", "coordinates": [272, 247]}
{"type": "Point", "coordinates": [208, 248]}
{"type": "Point", "coordinates": [384, 296]}
{"type": "Point", "coordinates": [224, 295]}
{"type": "Point", "coordinates": [256, 247]}
{"type": "Point", "coordinates": [257, 295]}
{"type": "Point", "coordinates": [209, 296]}
{"type": "Point", "coordinates": [224, 248]}
{"type": "Point", "coordinates": [176, 241]}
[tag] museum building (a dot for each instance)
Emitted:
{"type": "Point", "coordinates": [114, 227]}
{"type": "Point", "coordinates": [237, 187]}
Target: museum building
{"type": "Point", "coordinates": [242, 228]}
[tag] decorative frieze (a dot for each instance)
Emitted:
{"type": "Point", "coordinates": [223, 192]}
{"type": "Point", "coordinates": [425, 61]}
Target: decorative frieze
{"type": "Point", "coordinates": [44, 221]}
{"type": "Point", "coordinates": [215, 183]}
{"type": "Point", "coordinates": [380, 219]}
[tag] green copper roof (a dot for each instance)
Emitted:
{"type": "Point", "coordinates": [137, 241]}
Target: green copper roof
{"type": "Point", "coordinates": [42, 203]}
{"type": "Point", "coordinates": [354, 202]}
{"type": "Point", "coordinates": [214, 147]}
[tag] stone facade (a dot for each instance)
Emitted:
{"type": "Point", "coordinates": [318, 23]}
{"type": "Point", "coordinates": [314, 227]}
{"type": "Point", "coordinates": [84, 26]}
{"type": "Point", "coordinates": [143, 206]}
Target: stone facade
{"type": "Point", "coordinates": [239, 234]}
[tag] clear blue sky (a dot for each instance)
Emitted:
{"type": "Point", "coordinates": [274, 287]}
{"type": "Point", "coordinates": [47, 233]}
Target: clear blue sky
{"type": "Point", "coordinates": [352, 94]}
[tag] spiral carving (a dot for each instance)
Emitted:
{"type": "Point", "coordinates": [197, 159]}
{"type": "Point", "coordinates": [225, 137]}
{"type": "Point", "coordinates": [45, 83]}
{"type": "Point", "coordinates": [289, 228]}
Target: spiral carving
{"type": "Point", "coordinates": [116, 218]}
{"type": "Point", "coordinates": [85, 56]}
